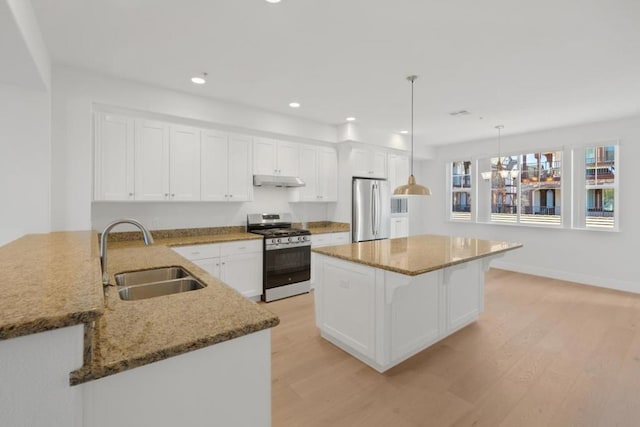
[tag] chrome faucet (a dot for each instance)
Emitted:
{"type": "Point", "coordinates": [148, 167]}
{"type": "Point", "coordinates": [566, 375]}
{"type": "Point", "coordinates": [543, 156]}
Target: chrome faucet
{"type": "Point", "coordinates": [146, 235]}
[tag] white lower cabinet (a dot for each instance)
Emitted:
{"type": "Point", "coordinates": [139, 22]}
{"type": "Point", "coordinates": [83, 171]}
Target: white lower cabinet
{"type": "Point", "coordinates": [399, 227]}
{"type": "Point", "coordinates": [238, 264]}
{"type": "Point", "coordinates": [326, 239]}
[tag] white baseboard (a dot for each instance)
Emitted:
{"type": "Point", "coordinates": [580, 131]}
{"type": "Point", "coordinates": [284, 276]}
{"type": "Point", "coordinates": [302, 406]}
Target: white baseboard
{"type": "Point", "coordinates": [603, 282]}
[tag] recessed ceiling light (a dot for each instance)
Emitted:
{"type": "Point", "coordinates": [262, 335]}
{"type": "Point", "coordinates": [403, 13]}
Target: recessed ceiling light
{"type": "Point", "coordinates": [404, 132]}
{"type": "Point", "coordinates": [273, 1]}
{"type": "Point", "coordinates": [350, 119]}
{"type": "Point", "coordinates": [294, 104]}
{"type": "Point", "coordinates": [199, 80]}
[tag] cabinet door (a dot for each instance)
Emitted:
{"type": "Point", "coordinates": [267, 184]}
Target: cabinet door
{"type": "Point", "coordinates": [309, 174]}
{"type": "Point", "coordinates": [465, 287]}
{"type": "Point", "coordinates": [210, 265]}
{"type": "Point", "coordinates": [347, 303]}
{"type": "Point", "coordinates": [151, 160]}
{"type": "Point", "coordinates": [327, 175]}
{"type": "Point", "coordinates": [361, 162]}
{"type": "Point", "coordinates": [184, 162]}
{"type": "Point", "coordinates": [399, 227]}
{"type": "Point", "coordinates": [398, 170]}
{"type": "Point", "coordinates": [114, 157]}
{"type": "Point", "coordinates": [288, 158]}
{"type": "Point", "coordinates": [243, 272]}
{"type": "Point", "coordinates": [379, 164]}
{"type": "Point", "coordinates": [213, 163]}
{"type": "Point", "coordinates": [264, 156]}
{"type": "Point", "coordinates": [240, 178]}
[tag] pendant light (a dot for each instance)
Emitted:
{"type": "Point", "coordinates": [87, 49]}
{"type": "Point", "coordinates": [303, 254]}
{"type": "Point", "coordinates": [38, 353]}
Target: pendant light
{"type": "Point", "coordinates": [504, 173]}
{"type": "Point", "coordinates": [411, 188]}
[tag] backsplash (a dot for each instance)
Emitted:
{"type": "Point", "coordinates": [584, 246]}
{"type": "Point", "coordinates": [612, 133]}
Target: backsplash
{"type": "Point", "coordinates": [168, 215]}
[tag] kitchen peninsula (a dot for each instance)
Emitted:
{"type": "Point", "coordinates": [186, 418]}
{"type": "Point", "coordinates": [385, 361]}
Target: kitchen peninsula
{"type": "Point", "coordinates": [72, 352]}
{"type": "Point", "coordinates": [383, 301]}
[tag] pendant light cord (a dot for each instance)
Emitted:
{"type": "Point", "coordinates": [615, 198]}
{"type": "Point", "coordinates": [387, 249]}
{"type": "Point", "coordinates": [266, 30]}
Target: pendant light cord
{"type": "Point", "coordinates": [412, 79]}
{"type": "Point", "coordinates": [499, 166]}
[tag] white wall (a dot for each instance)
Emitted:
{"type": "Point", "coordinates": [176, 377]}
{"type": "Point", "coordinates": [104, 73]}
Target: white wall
{"type": "Point", "coordinates": [24, 162]}
{"type": "Point", "coordinates": [76, 92]}
{"type": "Point", "coordinates": [594, 257]}
{"type": "Point", "coordinates": [25, 59]}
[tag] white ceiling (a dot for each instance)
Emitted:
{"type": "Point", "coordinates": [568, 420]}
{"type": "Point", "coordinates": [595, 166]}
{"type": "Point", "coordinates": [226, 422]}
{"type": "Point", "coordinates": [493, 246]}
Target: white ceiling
{"type": "Point", "coordinates": [528, 65]}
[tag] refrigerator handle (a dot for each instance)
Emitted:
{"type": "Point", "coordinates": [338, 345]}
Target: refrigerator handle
{"type": "Point", "coordinates": [373, 209]}
{"type": "Point", "coordinates": [376, 213]}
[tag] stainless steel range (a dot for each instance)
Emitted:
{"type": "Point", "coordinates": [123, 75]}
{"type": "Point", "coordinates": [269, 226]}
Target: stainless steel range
{"type": "Point", "coordinates": [287, 255]}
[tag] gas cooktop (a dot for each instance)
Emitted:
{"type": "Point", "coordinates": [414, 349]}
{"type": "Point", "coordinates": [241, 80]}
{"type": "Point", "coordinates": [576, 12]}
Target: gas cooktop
{"type": "Point", "coordinates": [279, 232]}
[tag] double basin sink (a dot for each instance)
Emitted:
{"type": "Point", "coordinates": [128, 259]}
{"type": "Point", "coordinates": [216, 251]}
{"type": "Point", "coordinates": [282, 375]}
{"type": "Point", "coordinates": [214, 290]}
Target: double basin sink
{"type": "Point", "coordinates": [143, 284]}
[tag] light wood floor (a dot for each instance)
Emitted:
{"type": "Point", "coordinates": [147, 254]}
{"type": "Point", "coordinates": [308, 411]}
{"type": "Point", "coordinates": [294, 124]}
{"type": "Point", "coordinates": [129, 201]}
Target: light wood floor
{"type": "Point", "coordinates": [544, 353]}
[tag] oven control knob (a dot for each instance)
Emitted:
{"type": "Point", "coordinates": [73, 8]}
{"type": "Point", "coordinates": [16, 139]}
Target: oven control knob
{"type": "Point", "coordinates": [289, 239]}
{"type": "Point", "coordinates": [278, 240]}
{"type": "Point", "coordinates": [305, 238]}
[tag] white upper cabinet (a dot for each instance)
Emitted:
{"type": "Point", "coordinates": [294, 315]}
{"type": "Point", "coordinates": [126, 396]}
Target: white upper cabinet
{"type": "Point", "coordinates": [240, 176]}
{"type": "Point", "coordinates": [184, 163]}
{"type": "Point", "coordinates": [398, 170]}
{"type": "Point", "coordinates": [271, 157]}
{"type": "Point", "coordinates": [151, 160]}
{"type": "Point", "coordinates": [146, 160]}
{"type": "Point", "coordinates": [214, 164]}
{"type": "Point", "coordinates": [114, 157]}
{"type": "Point", "coordinates": [309, 174]}
{"type": "Point", "coordinates": [328, 174]}
{"type": "Point", "coordinates": [226, 175]}
{"type": "Point", "coordinates": [369, 163]}
{"type": "Point", "coordinates": [288, 163]}
{"type": "Point", "coordinates": [319, 171]}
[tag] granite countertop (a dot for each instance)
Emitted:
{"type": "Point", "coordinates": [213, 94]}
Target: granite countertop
{"type": "Point", "coordinates": [135, 333]}
{"type": "Point", "coordinates": [49, 281]}
{"type": "Point", "coordinates": [417, 254]}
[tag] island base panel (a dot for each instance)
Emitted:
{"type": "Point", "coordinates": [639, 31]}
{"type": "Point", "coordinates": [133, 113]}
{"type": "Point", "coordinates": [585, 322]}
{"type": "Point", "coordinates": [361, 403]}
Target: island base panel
{"type": "Point", "coordinates": [382, 318]}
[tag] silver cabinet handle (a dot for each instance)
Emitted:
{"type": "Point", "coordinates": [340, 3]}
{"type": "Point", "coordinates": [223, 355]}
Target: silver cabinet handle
{"type": "Point", "coordinates": [230, 195]}
{"type": "Point", "coordinates": [130, 194]}
{"type": "Point", "coordinates": [173, 195]}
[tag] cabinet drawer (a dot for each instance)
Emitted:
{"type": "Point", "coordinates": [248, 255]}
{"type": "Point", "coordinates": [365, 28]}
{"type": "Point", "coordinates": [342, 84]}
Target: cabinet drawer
{"type": "Point", "coordinates": [194, 252]}
{"type": "Point", "coordinates": [318, 240]}
{"type": "Point", "coordinates": [340, 238]}
{"type": "Point", "coordinates": [240, 247]}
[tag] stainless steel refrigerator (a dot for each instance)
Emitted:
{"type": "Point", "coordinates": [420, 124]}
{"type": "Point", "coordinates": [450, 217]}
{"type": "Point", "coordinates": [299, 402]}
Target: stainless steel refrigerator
{"type": "Point", "coordinates": [370, 210]}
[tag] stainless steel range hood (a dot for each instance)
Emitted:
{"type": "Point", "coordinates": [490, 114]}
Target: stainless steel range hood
{"type": "Point", "coordinates": [277, 181]}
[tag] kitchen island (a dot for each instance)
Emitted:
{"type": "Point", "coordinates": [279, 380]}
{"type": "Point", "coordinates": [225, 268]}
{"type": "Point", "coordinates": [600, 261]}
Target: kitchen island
{"type": "Point", "coordinates": [383, 301]}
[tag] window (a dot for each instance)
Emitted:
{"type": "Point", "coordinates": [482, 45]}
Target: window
{"type": "Point", "coordinates": [526, 188]}
{"type": "Point", "coordinates": [600, 186]}
{"type": "Point", "coordinates": [540, 188]}
{"type": "Point", "coordinates": [461, 190]}
{"type": "Point", "coordinates": [504, 189]}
